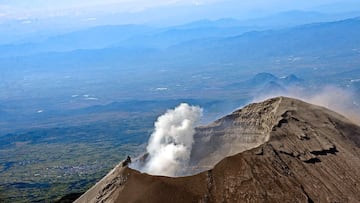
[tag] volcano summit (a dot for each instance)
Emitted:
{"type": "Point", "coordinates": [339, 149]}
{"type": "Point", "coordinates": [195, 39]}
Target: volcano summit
{"type": "Point", "coordinates": [279, 150]}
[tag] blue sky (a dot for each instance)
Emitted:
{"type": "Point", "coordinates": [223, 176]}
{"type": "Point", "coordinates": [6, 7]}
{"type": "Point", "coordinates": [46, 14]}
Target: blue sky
{"type": "Point", "coordinates": [40, 9]}
{"type": "Point", "coordinates": [50, 8]}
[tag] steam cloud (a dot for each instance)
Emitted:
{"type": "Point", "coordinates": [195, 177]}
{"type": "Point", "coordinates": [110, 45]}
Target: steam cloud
{"type": "Point", "coordinates": [170, 144]}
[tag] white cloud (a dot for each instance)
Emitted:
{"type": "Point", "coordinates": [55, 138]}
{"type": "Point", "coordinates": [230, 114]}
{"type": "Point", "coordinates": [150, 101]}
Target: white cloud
{"type": "Point", "coordinates": [170, 145]}
{"type": "Point", "coordinates": [90, 19]}
{"type": "Point", "coordinates": [26, 22]}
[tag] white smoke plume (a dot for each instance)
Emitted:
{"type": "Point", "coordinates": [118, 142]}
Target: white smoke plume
{"type": "Point", "coordinates": [170, 144]}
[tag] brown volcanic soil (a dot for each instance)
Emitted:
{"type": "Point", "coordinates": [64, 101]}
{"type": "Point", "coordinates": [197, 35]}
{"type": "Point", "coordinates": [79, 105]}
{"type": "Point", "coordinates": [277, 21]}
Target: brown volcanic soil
{"type": "Point", "coordinates": [308, 154]}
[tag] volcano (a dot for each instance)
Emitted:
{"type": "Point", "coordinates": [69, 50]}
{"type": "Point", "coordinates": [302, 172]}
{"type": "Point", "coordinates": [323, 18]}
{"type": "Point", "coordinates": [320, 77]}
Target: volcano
{"type": "Point", "coordinates": [279, 150]}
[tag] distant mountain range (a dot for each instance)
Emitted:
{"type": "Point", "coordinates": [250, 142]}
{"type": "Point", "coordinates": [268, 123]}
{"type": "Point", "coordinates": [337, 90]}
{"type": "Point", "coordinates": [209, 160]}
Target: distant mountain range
{"type": "Point", "coordinates": [332, 43]}
{"type": "Point", "coordinates": [129, 36]}
{"type": "Point", "coordinates": [268, 83]}
{"type": "Point", "coordinates": [262, 79]}
{"type": "Point", "coordinates": [324, 38]}
{"type": "Point", "coordinates": [142, 36]}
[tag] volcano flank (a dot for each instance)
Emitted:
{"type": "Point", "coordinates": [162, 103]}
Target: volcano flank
{"type": "Point", "coordinates": [279, 150]}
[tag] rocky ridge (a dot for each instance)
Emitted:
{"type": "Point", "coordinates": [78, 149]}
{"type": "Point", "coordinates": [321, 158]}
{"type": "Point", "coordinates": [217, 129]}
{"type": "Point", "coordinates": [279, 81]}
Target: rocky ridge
{"type": "Point", "coordinates": [280, 150]}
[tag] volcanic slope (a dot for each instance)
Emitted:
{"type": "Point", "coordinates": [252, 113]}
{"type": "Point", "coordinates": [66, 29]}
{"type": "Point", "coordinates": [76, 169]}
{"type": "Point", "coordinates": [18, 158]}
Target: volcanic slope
{"type": "Point", "coordinates": [301, 153]}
